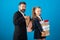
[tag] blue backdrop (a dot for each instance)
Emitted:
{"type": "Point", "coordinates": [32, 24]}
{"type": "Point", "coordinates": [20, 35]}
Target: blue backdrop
{"type": "Point", "coordinates": [50, 11]}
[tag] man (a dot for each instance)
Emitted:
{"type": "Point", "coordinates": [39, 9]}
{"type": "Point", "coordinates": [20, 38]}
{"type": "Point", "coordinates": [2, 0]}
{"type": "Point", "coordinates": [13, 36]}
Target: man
{"type": "Point", "coordinates": [20, 32]}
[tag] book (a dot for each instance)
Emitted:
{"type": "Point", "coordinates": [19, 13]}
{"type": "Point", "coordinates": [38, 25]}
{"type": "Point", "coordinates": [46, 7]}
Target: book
{"type": "Point", "coordinates": [46, 27]}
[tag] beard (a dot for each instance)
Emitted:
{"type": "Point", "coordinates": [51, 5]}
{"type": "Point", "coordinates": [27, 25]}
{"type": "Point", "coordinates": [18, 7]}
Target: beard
{"type": "Point", "coordinates": [23, 10]}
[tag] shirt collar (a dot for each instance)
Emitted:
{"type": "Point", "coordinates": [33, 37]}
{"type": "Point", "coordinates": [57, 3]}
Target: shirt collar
{"type": "Point", "coordinates": [39, 17]}
{"type": "Point", "coordinates": [21, 12]}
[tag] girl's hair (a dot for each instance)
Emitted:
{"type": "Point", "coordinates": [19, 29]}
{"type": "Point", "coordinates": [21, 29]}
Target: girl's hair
{"type": "Point", "coordinates": [33, 12]}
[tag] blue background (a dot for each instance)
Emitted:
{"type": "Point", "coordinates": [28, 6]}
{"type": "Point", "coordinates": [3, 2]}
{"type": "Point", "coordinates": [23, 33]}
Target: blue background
{"type": "Point", "coordinates": [50, 11]}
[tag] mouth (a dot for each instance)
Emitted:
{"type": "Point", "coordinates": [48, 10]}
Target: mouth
{"type": "Point", "coordinates": [23, 10]}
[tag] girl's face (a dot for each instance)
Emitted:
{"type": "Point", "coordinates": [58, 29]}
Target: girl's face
{"type": "Point", "coordinates": [38, 11]}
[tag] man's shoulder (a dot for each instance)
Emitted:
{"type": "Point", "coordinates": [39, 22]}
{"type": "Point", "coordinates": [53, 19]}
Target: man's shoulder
{"type": "Point", "coordinates": [17, 13]}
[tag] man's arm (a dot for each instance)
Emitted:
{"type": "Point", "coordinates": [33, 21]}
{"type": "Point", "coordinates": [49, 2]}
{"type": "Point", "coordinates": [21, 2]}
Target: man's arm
{"type": "Point", "coordinates": [17, 19]}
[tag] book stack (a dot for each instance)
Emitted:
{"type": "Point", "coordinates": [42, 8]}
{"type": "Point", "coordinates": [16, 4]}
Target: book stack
{"type": "Point", "coordinates": [46, 27]}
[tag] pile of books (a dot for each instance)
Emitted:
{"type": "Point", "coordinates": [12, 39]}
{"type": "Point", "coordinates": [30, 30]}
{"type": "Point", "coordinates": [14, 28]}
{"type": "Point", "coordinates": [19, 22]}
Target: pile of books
{"type": "Point", "coordinates": [46, 27]}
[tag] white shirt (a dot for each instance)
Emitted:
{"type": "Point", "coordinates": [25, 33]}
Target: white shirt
{"type": "Point", "coordinates": [39, 17]}
{"type": "Point", "coordinates": [21, 13]}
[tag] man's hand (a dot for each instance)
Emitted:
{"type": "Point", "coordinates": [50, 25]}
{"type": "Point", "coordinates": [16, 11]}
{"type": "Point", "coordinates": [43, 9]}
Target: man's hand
{"type": "Point", "coordinates": [26, 17]}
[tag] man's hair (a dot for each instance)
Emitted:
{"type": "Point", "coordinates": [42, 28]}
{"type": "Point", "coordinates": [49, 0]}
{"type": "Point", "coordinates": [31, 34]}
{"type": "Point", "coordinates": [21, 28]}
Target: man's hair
{"type": "Point", "coordinates": [22, 3]}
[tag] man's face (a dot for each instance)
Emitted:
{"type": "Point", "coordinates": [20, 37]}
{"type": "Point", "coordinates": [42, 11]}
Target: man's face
{"type": "Point", "coordinates": [22, 7]}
